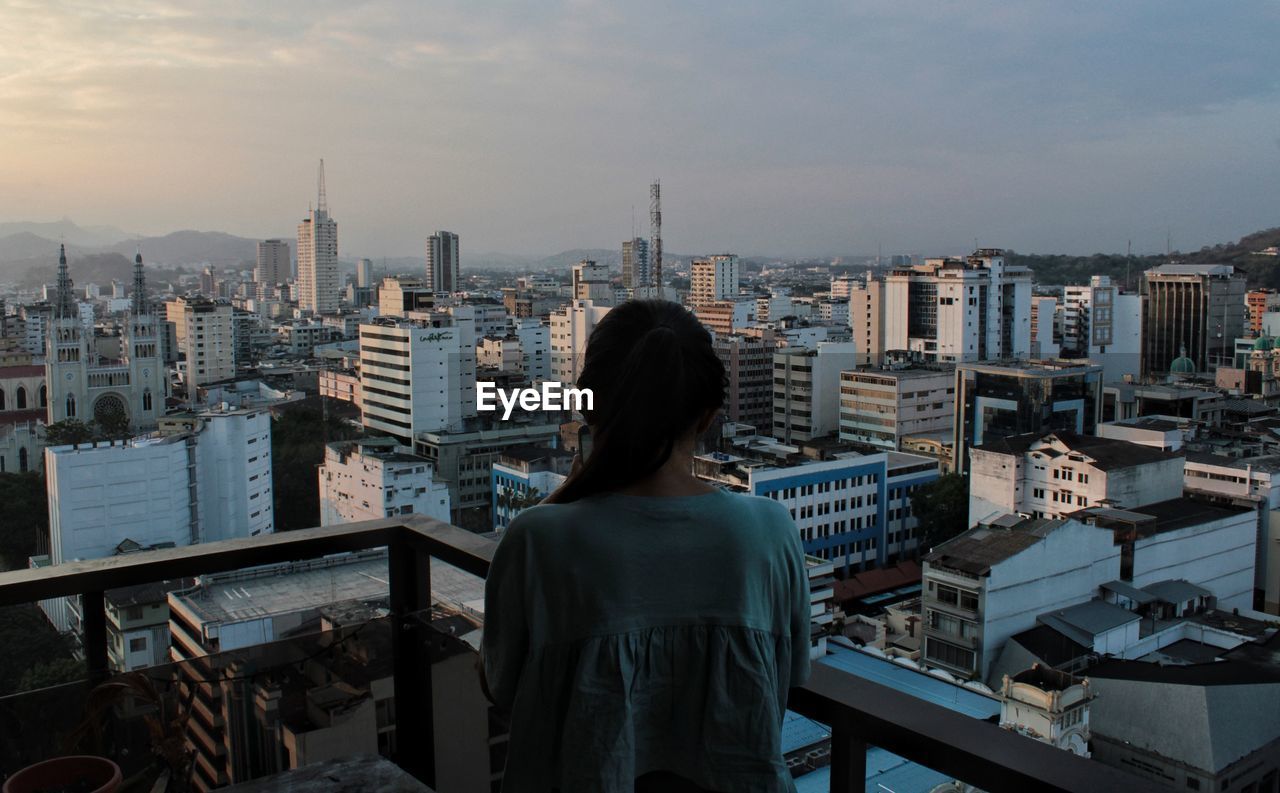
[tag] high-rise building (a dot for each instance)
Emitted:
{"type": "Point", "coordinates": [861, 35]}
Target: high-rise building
{"type": "Point", "coordinates": [713, 278]}
{"type": "Point", "coordinates": [1192, 315]}
{"type": "Point", "coordinates": [418, 374]}
{"type": "Point", "coordinates": [591, 282]}
{"type": "Point", "coordinates": [318, 289]}
{"type": "Point", "coordinates": [129, 393]}
{"type": "Point", "coordinates": [994, 401]}
{"type": "Point", "coordinates": [442, 262]}
{"type": "Point", "coordinates": [635, 263]}
{"type": "Point", "coordinates": [1046, 327]}
{"type": "Point", "coordinates": [377, 478]}
{"type": "Point", "coordinates": [364, 273]}
{"type": "Point", "coordinates": [570, 328]}
{"type": "Point", "coordinates": [866, 316]}
{"type": "Point", "coordinates": [274, 266]}
{"type": "Point", "coordinates": [806, 390]}
{"type": "Point", "coordinates": [748, 366]}
{"type": "Point", "coordinates": [951, 310]}
{"type": "Point", "coordinates": [206, 337]}
{"type": "Point", "coordinates": [882, 407]}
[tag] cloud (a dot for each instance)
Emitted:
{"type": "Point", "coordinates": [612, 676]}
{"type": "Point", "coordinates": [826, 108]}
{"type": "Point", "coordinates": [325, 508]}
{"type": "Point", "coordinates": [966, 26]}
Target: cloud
{"type": "Point", "coordinates": [536, 125]}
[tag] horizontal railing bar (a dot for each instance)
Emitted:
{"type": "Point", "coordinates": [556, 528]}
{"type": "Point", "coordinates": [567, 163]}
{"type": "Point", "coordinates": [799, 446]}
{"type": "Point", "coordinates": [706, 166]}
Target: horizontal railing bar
{"type": "Point", "coordinates": [458, 547]}
{"type": "Point", "coordinates": [970, 750]}
{"type": "Point", "coordinates": [954, 744]}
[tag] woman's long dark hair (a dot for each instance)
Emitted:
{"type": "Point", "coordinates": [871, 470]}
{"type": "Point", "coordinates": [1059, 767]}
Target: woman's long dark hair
{"type": "Point", "coordinates": [654, 376]}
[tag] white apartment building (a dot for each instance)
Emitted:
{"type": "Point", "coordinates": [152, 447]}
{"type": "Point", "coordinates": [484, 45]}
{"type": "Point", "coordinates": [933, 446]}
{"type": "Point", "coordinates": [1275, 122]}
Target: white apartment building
{"type": "Point", "coordinates": [209, 481]}
{"type": "Point", "coordinates": [377, 478]}
{"type": "Point", "coordinates": [998, 579]}
{"type": "Point", "coordinates": [806, 390]}
{"type": "Point", "coordinates": [535, 348]}
{"type": "Point", "coordinates": [590, 281]}
{"type": "Point", "coordinates": [714, 278]}
{"type": "Point", "coordinates": [417, 375]}
{"type": "Point", "coordinates": [881, 407]}
{"type": "Point", "coordinates": [206, 338]}
{"type": "Point", "coordinates": [952, 310]}
{"type": "Point", "coordinates": [1054, 475]}
{"type": "Point", "coordinates": [571, 326]}
{"type": "Point", "coordinates": [503, 353]}
{"type": "Point", "coordinates": [833, 312]}
{"type": "Point", "coordinates": [1046, 327]}
{"type": "Point", "coordinates": [1104, 325]}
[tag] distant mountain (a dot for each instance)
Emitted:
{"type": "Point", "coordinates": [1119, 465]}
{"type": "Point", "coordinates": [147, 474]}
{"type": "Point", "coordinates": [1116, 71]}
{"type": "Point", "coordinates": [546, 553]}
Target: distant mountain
{"type": "Point", "coordinates": [66, 230]}
{"type": "Point", "coordinates": [25, 246]}
{"type": "Point", "coordinates": [191, 247]}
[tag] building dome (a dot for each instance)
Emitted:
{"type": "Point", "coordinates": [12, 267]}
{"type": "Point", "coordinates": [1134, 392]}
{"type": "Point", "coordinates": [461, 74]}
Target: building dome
{"type": "Point", "coordinates": [1182, 365]}
{"type": "Point", "coordinates": [1263, 344]}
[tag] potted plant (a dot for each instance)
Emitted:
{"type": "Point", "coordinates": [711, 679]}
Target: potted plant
{"type": "Point", "coordinates": [166, 723]}
{"type": "Point", "coordinates": [81, 773]}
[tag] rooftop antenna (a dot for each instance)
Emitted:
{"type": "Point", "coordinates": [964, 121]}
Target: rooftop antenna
{"type": "Point", "coordinates": [322, 201]}
{"type": "Point", "coordinates": [655, 231]}
{"type": "Point", "coordinates": [1128, 258]}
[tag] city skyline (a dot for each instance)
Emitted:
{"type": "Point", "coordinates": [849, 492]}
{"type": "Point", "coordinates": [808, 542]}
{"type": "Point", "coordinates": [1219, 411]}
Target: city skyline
{"type": "Point", "coordinates": [839, 131]}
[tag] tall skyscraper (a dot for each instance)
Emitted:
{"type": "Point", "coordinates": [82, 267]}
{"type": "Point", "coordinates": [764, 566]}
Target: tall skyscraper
{"type": "Point", "coordinates": [1193, 312]}
{"type": "Point", "coordinates": [318, 257]}
{"type": "Point", "coordinates": [636, 271]}
{"type": "Point", "coordinates": [364, 273]}
{"type": "Point", "coordinates": [273, 263]}
{"type": "Point", "coordinates": [714, 278]}
{"type": "Point", "coordinates": [442, 262]}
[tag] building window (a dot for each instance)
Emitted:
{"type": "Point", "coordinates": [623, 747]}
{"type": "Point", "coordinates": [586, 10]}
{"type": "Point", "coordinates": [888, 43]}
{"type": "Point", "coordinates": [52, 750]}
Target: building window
{"type": "Point", "coordinates": [138, 645]}
{"type": "Point", "coordinates": [44, 397]}
{"type": "Point", "coordinates": [22, 460]}
{"type": "Point", "coordinates": [71, 406]}
{"type": "Point", "coordinates": [146, 399]}
{"type": "Point", "coordinates": [21, 399]}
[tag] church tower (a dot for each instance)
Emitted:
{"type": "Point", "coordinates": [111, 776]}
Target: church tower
{"type": "Point", "coordinates": [112, 394]}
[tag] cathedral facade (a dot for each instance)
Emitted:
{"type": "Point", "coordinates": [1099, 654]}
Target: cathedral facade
{"type": "Point", "coordinates": [86, 387]}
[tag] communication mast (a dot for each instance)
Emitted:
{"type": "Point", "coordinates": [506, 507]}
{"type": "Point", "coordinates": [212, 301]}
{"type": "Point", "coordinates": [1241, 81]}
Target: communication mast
{"type": "Point", "coordinates": [322, 200]}
{"type": "Point", "coordinates": [655, 232]}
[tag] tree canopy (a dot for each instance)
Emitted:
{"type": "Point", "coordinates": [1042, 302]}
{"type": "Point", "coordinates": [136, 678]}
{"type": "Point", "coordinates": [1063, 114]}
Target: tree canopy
{"type": "Point", "coordinates": [298, 437]}
{"type": "Point", "coordinates": [941, 508]}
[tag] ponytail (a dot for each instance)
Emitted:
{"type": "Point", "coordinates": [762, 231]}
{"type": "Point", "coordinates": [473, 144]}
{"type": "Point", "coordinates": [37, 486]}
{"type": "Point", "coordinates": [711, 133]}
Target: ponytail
{"type": "Point", "coordinates": [654, 375]}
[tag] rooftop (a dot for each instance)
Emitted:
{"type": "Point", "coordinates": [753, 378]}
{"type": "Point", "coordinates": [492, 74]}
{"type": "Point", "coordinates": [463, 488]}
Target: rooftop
{"type": "Point", "coordinates": [1084, 621]}
{"type": "Point", "coordinates": [301, 586]}
{"type": "Point", "coordinates": [1105, 453]}
{"type": "Point", "coordinates": [977, 550]}
{"type": "Point", "coordinates": [1162, 516]}
{"type": "Point", "coordinates": [1219, 270]}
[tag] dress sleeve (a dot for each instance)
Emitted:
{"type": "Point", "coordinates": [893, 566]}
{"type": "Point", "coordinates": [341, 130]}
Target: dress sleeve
{"type": "Point", "coordinates": [800, 612]}
{"type": "Point", "coordinates": [505, 642]}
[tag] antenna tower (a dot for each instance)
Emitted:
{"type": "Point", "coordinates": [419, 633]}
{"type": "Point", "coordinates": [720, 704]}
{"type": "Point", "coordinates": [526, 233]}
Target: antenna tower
{"type": "Point", "coordinates": [655, 232]}
{"type": "Point", "coordinates": [322, 200]}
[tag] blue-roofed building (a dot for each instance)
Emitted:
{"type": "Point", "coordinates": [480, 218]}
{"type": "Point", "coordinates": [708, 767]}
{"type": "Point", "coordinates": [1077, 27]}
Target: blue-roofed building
{"type": "Point", "coordinates": [805, 740]}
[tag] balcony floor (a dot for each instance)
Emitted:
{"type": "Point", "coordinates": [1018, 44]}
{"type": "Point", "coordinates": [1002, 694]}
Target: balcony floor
{"type": "Point", "coordinates": [353, 775]}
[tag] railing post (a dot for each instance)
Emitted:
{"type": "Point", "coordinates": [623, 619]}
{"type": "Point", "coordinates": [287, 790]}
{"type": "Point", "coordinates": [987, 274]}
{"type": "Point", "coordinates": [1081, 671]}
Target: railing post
{"type": "Point", "coordinates": [93, 616]}
{"type": "Point", "coordinates": [848, 758]}
{"type": "Point", "coordinates": [410, 585]}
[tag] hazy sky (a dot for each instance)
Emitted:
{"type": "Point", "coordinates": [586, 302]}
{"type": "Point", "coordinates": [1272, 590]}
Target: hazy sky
{"type": "Point", "coordinates": [776, 128]}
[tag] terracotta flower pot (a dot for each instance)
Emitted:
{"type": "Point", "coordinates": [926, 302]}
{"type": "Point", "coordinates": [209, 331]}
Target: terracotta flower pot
{"type": "Point", "coordinates": [74, 774]}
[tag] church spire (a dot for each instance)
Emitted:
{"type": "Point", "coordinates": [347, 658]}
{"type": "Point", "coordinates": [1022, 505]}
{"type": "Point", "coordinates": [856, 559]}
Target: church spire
{"type": "Point", "coordinates": [66, 302]}
{"type": "Point", "coordinates": [139, 287]}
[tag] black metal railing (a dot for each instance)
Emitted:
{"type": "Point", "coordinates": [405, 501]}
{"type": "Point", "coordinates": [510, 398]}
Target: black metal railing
{"type": "Point", "coordinates": [860, 712]}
